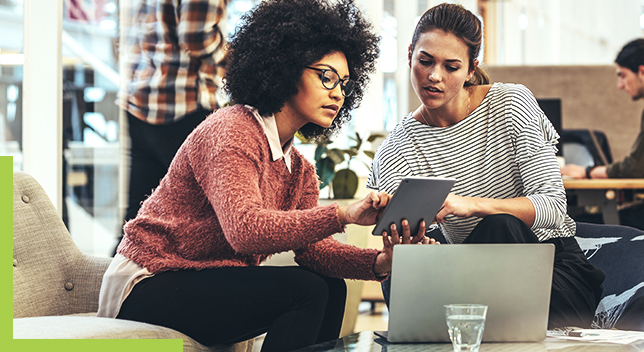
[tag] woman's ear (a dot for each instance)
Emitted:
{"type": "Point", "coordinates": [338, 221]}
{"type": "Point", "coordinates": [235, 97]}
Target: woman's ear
{"type": "Point", "coordinates": [409, 52]}
{"type": "Point", "coordinates": [473, 69]}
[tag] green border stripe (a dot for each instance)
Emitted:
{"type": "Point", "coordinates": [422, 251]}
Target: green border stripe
{"type": "Point", "coordinates": [6, 227]}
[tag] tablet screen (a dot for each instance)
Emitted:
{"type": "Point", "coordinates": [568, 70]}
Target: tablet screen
{"type": "Point", "coordinates": [416, 199]}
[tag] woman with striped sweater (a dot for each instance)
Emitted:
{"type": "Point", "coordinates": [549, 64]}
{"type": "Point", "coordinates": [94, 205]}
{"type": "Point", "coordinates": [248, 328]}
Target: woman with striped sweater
{"type": "Point", "coordinates": [499, 145]}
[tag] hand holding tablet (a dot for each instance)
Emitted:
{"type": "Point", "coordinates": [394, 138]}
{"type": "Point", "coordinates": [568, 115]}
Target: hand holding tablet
{"type": "Point", "coordinates": [417, 198]}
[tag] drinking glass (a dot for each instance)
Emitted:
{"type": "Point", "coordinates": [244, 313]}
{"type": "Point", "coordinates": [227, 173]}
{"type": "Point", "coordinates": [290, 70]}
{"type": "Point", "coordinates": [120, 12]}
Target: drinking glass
{"type": "Point", "coordinates": [465, 323]}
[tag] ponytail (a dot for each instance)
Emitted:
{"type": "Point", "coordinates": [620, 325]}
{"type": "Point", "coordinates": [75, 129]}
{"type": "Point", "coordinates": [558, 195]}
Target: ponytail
{"type": "Point", "coordinates": [479, 78]}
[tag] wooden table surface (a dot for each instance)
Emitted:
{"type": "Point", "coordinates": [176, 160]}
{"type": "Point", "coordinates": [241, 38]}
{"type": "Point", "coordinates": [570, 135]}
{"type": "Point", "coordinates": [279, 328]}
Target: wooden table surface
{"type": "Point", "coordinates": [603, 193]}
{"type": "Point", "coordinates": [610, 183]}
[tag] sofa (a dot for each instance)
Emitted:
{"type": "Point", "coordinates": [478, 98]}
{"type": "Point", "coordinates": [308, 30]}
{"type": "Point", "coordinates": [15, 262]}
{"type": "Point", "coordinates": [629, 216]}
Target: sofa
{"type": "Point", "coordinates": [617, 250]}
{"type": "Point", "coordinates": [56, 286]}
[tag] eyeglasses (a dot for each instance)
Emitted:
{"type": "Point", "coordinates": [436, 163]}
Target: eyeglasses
{"type": "Point", "coordinates": [330, 80]}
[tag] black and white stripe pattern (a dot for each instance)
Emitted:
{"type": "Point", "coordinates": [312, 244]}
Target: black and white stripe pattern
{"type": "Point", "coordinates": [504, 149]}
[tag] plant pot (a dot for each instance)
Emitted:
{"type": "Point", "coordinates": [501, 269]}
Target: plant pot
{"type": "Point", "coordinates": [345, 184]}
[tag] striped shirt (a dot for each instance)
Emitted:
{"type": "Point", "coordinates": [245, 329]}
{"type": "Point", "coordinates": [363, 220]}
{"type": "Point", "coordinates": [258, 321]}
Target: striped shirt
{"type": "Point", "coordinates": [173, 56]}
{"type": "Point", "coordinates": [504, 149]}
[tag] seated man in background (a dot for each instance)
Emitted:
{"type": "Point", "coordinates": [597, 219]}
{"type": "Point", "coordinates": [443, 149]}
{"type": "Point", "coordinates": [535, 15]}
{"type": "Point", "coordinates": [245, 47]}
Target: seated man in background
{"type": "Point", "coordinates": [630, 78]}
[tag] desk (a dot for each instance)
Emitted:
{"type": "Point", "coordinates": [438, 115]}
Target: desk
{"type": "Point", "coordinates": [367, 341]}
{"type": "Point", "coordinates": [603, 193]}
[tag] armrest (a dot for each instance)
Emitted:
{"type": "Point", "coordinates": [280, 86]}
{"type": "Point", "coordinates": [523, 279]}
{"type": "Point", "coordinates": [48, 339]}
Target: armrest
{"type": "Point", "coordinates": [87, 277]}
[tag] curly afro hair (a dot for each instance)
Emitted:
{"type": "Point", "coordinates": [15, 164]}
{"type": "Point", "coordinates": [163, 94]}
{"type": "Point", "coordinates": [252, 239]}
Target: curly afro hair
{"type": "Point", "coordinates": [278, 38]}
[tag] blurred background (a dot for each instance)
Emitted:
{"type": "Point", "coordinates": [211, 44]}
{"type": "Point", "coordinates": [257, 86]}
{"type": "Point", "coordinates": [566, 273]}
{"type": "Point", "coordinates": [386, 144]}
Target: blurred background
{"type": "Point", "coordinates": [87, 179]}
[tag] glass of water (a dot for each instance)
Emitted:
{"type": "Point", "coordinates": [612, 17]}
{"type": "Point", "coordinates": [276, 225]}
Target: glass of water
{"type": "Point", "coordinates": [465, 323]}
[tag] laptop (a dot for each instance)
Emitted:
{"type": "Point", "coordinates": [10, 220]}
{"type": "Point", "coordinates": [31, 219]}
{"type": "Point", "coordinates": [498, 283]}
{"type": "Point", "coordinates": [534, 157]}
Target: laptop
{"type": "Point", "coordinates": [514, 280]}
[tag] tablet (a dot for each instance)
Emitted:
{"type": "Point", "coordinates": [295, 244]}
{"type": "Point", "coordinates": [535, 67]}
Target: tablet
{"type": "Point", "coordinates": [417, 198]}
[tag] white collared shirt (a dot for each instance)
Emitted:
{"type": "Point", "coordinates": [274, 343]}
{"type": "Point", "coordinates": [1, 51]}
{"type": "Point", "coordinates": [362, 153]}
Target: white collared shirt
{"type": "Point", "coordinates": [270, 129]}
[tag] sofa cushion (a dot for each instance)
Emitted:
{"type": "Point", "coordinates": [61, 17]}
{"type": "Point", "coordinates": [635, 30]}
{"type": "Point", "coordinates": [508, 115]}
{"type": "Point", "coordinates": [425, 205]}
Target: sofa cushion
{"type": "Point", "coordinates": [90, 327]}
{"type": "Point", "coordinates": [617, 250]}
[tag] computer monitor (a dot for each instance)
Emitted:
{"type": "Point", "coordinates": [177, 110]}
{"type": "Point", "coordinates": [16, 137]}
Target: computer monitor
{"type": "Point", "coordinates": [552, 108]}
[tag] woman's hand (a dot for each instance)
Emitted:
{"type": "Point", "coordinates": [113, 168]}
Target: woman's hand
{"type": "Point", "coordinates": [382, 266]}
{"type": "Point", "coordinates": [573, 171]}
{"type": "Point", "coordinates": [579, 172]}
{"type": "Point", "coordinates": [462, 207]}
{"type": "Point", "coordinates": [366, 211]}
{"type": "Point", "coordinates": [465, 207]}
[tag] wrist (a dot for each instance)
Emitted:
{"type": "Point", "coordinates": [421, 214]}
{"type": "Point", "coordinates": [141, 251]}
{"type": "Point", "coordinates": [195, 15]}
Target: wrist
{"type": "Point", "coordinates": [380, 267]}
{"type": "Point", "coordinates": [342, 216]}
{"type": "Point", "coordinates": [589, 169]}
{"type": "Point", "coordinates": [382, 276]}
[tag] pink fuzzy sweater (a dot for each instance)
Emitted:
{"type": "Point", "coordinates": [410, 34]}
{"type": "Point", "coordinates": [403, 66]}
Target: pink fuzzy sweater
{"type": "Point", "coordinates": [225, 202]}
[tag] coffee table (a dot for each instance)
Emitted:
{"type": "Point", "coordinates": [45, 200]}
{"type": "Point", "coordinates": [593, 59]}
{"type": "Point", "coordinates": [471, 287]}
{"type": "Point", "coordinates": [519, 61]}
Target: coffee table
{"type": "Point", "coordinates": [367, 341]}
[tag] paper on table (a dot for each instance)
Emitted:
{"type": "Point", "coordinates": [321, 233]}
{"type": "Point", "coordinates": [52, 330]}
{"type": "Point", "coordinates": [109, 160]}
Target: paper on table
{"type": "Point", "coordinates": [622, 337]}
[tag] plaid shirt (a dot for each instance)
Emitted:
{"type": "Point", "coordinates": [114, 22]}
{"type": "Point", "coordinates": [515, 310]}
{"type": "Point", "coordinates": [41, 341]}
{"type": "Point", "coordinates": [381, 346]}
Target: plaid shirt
{"type": "Point", "coordinates": [174, 58]}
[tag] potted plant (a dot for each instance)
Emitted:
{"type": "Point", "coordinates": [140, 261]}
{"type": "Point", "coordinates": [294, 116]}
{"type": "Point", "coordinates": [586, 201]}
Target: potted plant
{"type": "Point", "coordinates": [344, 182]}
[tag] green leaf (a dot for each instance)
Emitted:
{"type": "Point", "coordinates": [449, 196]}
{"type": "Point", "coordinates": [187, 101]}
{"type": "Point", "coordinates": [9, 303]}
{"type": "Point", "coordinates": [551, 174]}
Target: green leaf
{"type": "Point", "coordinates": [369, 153]}
{"type": "Point", "coordinates": [319, 151]}
{"type": "Point", "coordinates": [375, 136]}
{"type": "Point", "coordinates": [336, 155]}
{"type": "Point", "coordinates": [358, 142]}
{"type": "Point", "coordinates": [350, 152]}
{"type": "Point", "coordinates": [325, 169]}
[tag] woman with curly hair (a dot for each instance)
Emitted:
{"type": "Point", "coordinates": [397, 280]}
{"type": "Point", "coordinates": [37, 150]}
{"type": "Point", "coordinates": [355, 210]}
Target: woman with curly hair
{"type": "Point", "coordinates": [237, 191]}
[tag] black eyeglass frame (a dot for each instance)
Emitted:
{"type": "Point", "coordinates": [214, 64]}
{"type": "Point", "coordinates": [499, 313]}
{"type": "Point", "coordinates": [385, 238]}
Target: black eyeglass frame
{"type": "Point", "coordinates": [342, 81]}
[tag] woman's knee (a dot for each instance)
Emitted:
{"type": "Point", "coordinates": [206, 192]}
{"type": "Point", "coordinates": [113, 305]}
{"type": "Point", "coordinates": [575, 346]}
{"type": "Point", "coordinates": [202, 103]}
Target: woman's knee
{"type": "Point", "coordinates": [336, 287]}
{"type": "Point", "coordinates": [306, 285]}
{"type": "Point", "coordinates": [500, 220]}
{"type": "Point", "coordinates": [501, 228]}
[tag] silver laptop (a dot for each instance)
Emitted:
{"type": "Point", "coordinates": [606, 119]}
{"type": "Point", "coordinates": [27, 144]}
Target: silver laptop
{"type": "Point", "coordinates": [514, 280]}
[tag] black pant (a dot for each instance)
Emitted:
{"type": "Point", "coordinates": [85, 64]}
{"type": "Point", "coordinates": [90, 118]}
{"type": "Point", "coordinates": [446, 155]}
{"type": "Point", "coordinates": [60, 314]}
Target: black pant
{"type": "Point", "coordinates": [576, 284]}
{"type": "Point", "coordinates": [296, 307]}
{"type": "Point", "coordinates": [152, 148]}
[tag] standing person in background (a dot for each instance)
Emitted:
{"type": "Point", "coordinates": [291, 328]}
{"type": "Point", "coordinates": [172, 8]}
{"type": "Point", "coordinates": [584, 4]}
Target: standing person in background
{"type": "Point", "coordinates": [630, 78]}
{"type": "Point", "coordinates": [499, 146]}
{"type": "Point", "coordinates": [174, 55]}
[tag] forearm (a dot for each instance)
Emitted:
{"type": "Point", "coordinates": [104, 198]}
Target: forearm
{"type": "Point", "coordinates": [632, 166]}
{"type": "Point", "coordinates": [334, 259]}
{"type": "Point", "coordinates": [520, 207]}
{"type": "Point", "coordinates": [629, 167]}
{"type": "Point", "coordinates": [543, 188]}
{"type": "Point", "coordinates": [580, 172]}
{"type": "Point", "coordinates": [598, 172]}
{"type": "Point", "coordinates": [381, 267]}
